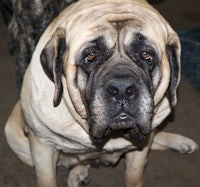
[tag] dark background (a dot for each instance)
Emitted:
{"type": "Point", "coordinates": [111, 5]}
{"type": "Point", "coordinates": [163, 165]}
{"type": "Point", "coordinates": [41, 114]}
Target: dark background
{"type": "Point", "coordinates": [164, 168]}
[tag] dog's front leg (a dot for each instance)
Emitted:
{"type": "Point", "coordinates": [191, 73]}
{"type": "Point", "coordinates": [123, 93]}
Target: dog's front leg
{"type": "Point", "coordinates": [45, 158]}
{"type": "Point", "coordinates": [165, 140]}
{"type": "Point", "coordinates": [135, 163]}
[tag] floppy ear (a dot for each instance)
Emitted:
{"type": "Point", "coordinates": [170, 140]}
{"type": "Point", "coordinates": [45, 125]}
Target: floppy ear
{"type": "Point", "coordinates": [52, 62]}
{"type": "Point", "coordinates": [174, 52]}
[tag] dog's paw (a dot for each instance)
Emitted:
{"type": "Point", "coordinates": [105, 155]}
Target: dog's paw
{"type": "Point", "coordinates": [78, 176]}
{"type": "Point", "coordinates": [85, 182]}
{"type": "Point", "coordinates": [184, 145]}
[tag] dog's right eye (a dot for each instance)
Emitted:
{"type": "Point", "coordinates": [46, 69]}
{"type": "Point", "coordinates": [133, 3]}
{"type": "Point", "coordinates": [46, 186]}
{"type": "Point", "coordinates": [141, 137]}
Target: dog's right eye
{"type": "Point", "coordinates": [146, 55]}
{"type": "Point", "coordinates": [90, 58]}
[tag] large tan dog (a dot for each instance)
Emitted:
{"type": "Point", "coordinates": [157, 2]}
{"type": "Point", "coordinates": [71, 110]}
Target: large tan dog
{"type": "Point", "coordinates": [103, 76]}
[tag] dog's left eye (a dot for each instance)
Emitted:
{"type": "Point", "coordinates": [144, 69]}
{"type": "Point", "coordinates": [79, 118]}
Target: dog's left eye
{"type": "Point", "coordinates": [91, 57]}
{"type": "Point", "coordinates": [146, 55]}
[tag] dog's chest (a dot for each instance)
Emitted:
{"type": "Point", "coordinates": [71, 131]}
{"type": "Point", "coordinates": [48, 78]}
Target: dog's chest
{"type": "Point", "coordinates": [75, 140]}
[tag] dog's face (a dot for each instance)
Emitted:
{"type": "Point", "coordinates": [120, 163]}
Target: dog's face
{"type": "Point", "coordinates": [118, 65]}
{"type": "Point", "coordinates": [116, 76]}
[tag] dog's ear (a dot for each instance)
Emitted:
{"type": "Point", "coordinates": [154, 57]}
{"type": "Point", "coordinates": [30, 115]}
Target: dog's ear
{"type": "Point", "coordinates": [174, 51]}
{"type": "Point", "coordinates": [52, 62]}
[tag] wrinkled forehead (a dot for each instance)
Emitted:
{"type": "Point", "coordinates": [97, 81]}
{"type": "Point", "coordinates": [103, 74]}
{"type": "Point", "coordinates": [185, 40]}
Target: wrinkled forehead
{"type": "Point", "coordinates": [115, 20]}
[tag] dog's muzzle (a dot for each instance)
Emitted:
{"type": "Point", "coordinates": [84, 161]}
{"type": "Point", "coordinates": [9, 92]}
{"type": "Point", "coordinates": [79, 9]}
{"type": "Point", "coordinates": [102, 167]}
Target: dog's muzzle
{"type": "Point", "coordinates": [128, 104]}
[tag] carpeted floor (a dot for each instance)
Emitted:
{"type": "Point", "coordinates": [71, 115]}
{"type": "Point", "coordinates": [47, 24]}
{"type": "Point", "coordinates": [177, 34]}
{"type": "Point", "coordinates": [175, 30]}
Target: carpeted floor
{"type": "Point", "coordinates": [164, 169]}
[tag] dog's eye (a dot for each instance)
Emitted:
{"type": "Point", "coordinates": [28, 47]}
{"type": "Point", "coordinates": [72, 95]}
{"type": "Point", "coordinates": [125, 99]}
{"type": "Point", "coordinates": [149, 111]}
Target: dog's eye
{"type": "Point", "coordinates": [91, 57]}
{"type": "Point", "coordinates": [146, 55]}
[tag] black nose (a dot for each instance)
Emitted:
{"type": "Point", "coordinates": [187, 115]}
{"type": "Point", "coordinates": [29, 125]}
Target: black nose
{"type": "Point", "coordinates": [120, 88]}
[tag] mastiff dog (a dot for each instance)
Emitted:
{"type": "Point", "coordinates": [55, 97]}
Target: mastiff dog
{"type": "Point", "coordinates": [103, 76]}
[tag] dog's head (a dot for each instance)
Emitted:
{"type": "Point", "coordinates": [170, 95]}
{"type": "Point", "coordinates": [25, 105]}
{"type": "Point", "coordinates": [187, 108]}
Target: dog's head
{"type": "Point", "coordinates": [117, 60]}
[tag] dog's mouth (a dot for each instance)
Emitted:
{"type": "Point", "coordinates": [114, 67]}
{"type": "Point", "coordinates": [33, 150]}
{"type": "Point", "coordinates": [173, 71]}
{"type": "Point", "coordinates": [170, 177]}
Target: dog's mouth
{"type": "Point", "coordinates": [122, 125]}
{"type": "Point", "coordinates": [132, 134]}
{"type": "Point", "coordinates": [123, 116]}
